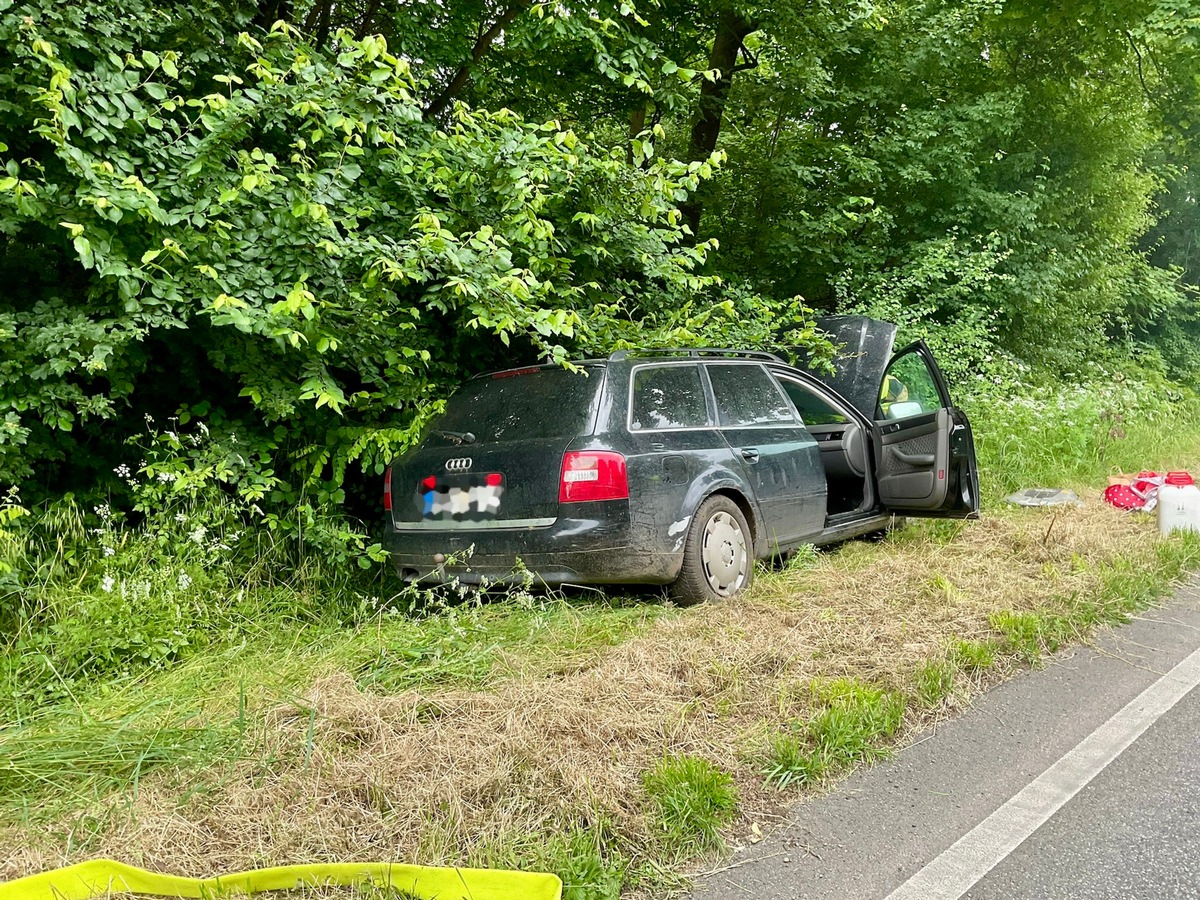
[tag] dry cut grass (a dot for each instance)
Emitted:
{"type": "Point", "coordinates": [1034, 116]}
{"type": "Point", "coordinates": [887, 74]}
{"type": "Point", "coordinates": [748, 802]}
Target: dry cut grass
{"type": "Point", "coordinates": [474, 776]}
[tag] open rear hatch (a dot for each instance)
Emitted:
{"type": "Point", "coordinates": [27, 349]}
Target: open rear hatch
{"type": "Point", "coordinates": [494, 458]}
{"type": "Point", "coordinates": [864, 350]}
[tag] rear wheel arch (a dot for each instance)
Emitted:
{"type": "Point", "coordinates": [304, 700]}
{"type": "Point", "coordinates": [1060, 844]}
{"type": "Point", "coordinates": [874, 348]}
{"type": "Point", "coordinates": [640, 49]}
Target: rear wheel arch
{"type": "Point", "coordinates": [743, 504]}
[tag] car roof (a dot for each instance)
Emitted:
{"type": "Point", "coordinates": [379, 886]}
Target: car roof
{"type": "Point", "coordinates": [636, 353]}
{"type": "Point", "coordinates": [863, 350]}
{"type": "Point", "coordinates": [697, 353]}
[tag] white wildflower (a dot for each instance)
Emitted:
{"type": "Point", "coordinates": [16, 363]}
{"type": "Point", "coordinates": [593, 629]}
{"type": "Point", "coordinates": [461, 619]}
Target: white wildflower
{"type": "Point", "coordinates": [107, 583]}
{"type": "Point", "coordinates": [109, 551]}
{"type": "Point", "coordinates": [184, 581]}
{"type": "Point", "coordinates": [197, 535]}
{"type": "Point", "coordinates": [123, 471]}
{"type": "Point", "coordinates": [203, 428]}
{"type": "Point", "coordinates": [166, 477]}
{"type": "Point", "coordinates": [180, 517]}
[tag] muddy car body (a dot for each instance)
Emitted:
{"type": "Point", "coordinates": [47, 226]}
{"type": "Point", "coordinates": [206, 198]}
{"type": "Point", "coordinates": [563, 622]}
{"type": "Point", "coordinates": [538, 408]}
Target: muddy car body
{"type": "Point", "coordinates": [677, 467]}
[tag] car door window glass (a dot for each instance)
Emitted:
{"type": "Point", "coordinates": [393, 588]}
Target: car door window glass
{"type": "Point", "coordinates": [813, 409]}
{"type": "Point", "coordinates": [667, 397]}
{"type": "Point", "coordinates": [746, 395]}
{"type": "Point", "coordinates": [908, 388]}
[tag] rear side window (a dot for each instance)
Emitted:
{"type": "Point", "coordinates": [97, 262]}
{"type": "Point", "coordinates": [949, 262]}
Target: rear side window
{"type": "Point", "coordinates": [667, 397]}
{"type": "Point", "coordinates": [746, 395]}
{"type": "Point", "coordinates": [543, 403]}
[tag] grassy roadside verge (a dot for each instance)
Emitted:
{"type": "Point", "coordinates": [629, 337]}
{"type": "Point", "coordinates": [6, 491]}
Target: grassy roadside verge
{"type": "Point", "coordinates": [614, 763]}
{"type": "Point", "coordinates": [612, 742]}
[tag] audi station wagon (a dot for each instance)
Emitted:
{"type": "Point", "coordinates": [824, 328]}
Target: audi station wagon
{"type": "Point", "coordinates": [678, 467]}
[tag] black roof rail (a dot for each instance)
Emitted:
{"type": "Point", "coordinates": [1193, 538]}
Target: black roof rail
{"type": "Point", "coordinates": [697, 352]}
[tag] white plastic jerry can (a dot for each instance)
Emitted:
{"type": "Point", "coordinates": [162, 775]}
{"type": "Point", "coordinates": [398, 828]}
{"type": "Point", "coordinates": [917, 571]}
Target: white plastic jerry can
{"type": "Point", "coordinates": [1178, 508]}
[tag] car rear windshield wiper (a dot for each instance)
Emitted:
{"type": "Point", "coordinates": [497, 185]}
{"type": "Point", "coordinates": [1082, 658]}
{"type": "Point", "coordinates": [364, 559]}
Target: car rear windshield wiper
{"type": "Point", "coordinates": [459, 437]}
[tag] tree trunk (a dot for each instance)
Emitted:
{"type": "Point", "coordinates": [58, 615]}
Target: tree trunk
{"type": "Point", "coordinates": [732, 31]}
{"type": "Point", "coordinates": [324, 25]}
{"type": "Point", "coordinates": [482, 44]}
{"type": "Point", "coordinates": [637, 124]}
{"type": "Point", "coordinates": [271, 11]}
{"type": "Point", "coordinates": [368, 19]}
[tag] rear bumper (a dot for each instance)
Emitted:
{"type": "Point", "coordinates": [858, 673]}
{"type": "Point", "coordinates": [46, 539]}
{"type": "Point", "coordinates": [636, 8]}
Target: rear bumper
{"type": "Point", "coordinates": [588, 543]}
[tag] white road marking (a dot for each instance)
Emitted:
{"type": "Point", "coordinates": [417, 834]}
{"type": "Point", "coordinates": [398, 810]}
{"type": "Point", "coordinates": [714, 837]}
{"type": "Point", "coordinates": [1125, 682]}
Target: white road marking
{"type": "Point", "coordinates": [960, 866]}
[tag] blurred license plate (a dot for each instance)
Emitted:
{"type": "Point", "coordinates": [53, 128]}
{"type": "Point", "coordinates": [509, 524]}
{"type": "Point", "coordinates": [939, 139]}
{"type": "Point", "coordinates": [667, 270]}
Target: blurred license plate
{"type": "Point", "coordinates": [468, 496]}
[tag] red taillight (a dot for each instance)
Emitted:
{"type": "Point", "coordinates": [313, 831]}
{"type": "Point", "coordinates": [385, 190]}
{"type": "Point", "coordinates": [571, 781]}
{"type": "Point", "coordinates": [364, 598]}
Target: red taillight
{"type": "Point", "coordinates": [387, 489]}
{"type": "Point", "coordinates": [592, 475]}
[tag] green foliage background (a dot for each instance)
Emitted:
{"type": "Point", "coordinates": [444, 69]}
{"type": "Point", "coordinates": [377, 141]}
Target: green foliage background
{"type": "Point", "coordinates": [247, 249]}
{"type": "Point", "coordinates": [300, 224]}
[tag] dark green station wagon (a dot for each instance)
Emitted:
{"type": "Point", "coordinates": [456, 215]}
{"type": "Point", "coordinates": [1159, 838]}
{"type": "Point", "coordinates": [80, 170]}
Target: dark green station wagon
{"type": "Point", "coordinates": [678, 467]}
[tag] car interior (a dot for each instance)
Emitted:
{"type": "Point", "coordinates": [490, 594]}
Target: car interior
{"type": "Point", "coordinates": [843, 444]}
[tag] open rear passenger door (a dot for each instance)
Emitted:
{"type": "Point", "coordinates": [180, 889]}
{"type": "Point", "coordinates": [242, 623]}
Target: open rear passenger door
{"type": "Point", "coordinates": [924, 449]}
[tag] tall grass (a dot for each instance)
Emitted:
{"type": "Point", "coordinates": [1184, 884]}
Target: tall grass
{"type": "Point", "coordinates": [1075, 435]}
{"type": "Point", "coordinates": [67, 758]}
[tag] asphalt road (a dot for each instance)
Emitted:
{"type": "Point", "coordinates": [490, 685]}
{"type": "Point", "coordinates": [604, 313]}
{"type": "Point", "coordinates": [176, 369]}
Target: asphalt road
{"type": "Point", "coordinates": [1077, 780]}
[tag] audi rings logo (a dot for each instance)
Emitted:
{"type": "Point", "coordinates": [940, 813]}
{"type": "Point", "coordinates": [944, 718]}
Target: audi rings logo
{"type": "Point", "coordinates": [459, 464]}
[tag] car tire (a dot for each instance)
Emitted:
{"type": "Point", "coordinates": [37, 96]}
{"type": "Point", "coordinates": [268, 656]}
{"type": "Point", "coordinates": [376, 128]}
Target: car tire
{"type": "Point", "coordinates": [718, 558]}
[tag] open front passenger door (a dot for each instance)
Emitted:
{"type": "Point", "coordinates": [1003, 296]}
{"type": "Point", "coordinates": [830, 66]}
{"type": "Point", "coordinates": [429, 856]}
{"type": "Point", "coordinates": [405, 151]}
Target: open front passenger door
{"type": "Point", "coordinates": [924, 449]}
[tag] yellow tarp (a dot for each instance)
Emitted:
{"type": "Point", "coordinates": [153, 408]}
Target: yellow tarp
{"type": "Point", "coordinates": [102, 877]}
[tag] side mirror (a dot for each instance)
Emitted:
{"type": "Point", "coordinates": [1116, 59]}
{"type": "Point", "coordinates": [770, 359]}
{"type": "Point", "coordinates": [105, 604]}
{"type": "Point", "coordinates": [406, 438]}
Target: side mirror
{"type": "Point", "coordinates": [904, 410]}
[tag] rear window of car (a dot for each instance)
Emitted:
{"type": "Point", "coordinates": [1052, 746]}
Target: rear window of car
{"type": "Point", "coordinates": [540, 403]}
{"type": "Point", "coordinates": [746, 395]}
{"type": "Point", "coordinates": [667, 397]}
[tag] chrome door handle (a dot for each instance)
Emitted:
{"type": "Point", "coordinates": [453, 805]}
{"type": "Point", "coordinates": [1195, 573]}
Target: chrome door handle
{"type": "Point", "coordinates": [750, 454]}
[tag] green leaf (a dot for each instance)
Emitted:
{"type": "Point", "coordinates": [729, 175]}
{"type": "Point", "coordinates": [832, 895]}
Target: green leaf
{"type": "Point", "coordinates": [84, 248]}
